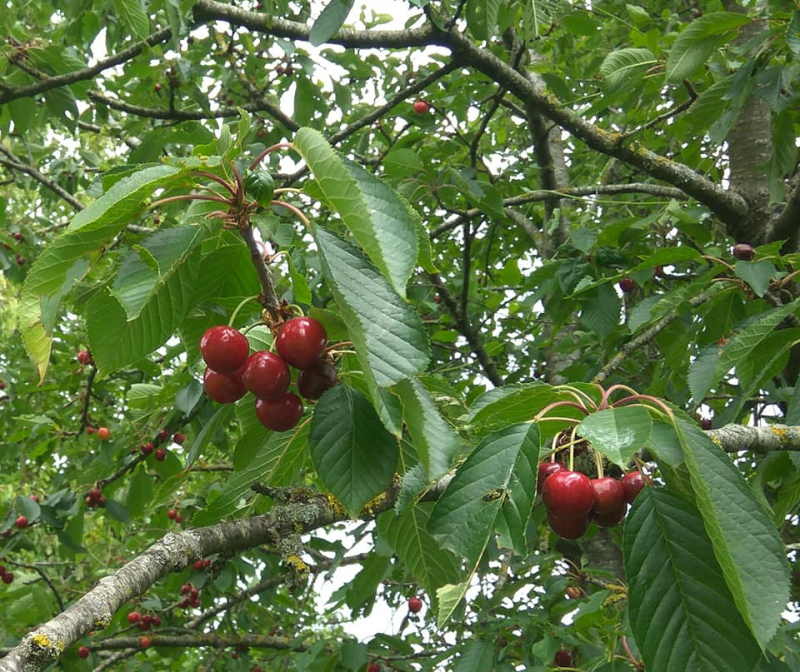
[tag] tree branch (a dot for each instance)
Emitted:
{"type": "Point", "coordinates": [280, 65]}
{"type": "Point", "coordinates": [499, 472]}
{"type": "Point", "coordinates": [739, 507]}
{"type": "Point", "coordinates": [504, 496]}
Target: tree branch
{"type": "Point", "coordinates": [14, 163]}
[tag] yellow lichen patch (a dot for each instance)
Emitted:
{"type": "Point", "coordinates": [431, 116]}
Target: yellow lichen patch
{"type": "Point", "coordinates": [337, 506]}
{"type": "Point", "coordinates": [780, 433]}
{"type": "Point", "coordinates": [297, 565]}
{"type": "Point", "coordinates": [372, 505]}
{"type": "Point", "coordinates": [42, 641]}
{"type": "Point", "coordinates": [716, 440]}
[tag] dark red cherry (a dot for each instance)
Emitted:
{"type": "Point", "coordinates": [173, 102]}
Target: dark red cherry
{"type": "Point", "coordinates": [608, 494]}
{"type": "Point", "coordinates": [266, 375]}
{"type": "Point", "coordinates": [568, 494]}
{"type": "Point", "coordinates": [611, 518]}
{"type": "Point", "coordinates": [279, 414]}
{"type": "Point", "coordinates": [414, 605]}
{"type": "Point", "coordinates": [224, 388]}
{"type": "Point", "coordinates": [84, 651]}
{"type": "Point", "coordinates": [547, 469]}
{"type": "Point", "coordinates": [301, 342]}
{"type": "Point", "coordinates": [632, 484]}
{"type": "Point", "coordinates": [568, 527]}
{"type": "Point", "coordinates": [312, 382]}
{"type": "Point", "coordinates": [744, 251]}
{"type": "Point", "coordinates": [627, 284]}
{"type": "Point", "coordinates": [564, 658]}
{"type": "Point", "coordinates": [224, 349]}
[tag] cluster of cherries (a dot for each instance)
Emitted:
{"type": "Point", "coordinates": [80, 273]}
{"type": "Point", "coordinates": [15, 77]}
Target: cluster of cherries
{"type": "Point", "coordinates": [160, 453]}
{"type": "Point", "coordinates": [232, 371]}
{"type": "Point", "coordinates": [145, 621]}
{"type": "Point", "coordinates": [191, 595]}
{"type": "Point", "coordinates": [94, 498]}
{"type": "Point", "coordinates": [573, 500]}
{"type": "Point", "coordinates": [5, 575]}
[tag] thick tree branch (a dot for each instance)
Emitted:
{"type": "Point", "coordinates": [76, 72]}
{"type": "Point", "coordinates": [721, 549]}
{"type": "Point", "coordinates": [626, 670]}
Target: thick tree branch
{"type": "Point", "coordinates": [13, 163]}
{"type": "Point", "coordinates": [201, 640]}
{"type": "Point", "coordinates": [762, 440]}
{"type": "Point", "coordinates": [786, 226]}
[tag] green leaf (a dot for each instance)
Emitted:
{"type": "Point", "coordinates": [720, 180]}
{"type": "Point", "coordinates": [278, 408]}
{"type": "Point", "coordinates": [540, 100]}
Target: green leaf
{"type": "Point", "coordinates": [449, 597]}
{"type": "Point", "coordinates": [499, 474]}
{"type": "Point", "coordinates": [600, 311]}
{"type": "Point", "coordinates": [117, 341]}
{"type": "Point", "coordinates": [220, 418]}
{"type": "Point", "coordinates": [132, 13]}
{"type": "Point", "coordinates": [140, 492]}
{"type": "Point", "coordinates": [681, 610]}
{"type": "Point", "coordinates": [434, 440]}
{"type": "Point", "coordinates": [746, 543]}
{"type": "Point", "coordinates": [369, 208]}
{"type": "Point", "coordinates": [478, 656]}
{"type": "Point", "coordinates": [666, 256]}
{"type": "Point", "coordinates": [302, 294]}
{"type": "Point", "coordinates": [623, 65]}
{"type": "Point", "coordinates": [53, 272]}
{"type": "Point", "coordinates": [617, 433]}
{"type": "Point", "coordinates": [352, 452]}
{"type": "Point", "coordinates": [482, 17]}
{"type": "Point", "coordinates": [793, 33]}
{"type": "Point", "coordinates": [329, 21]}
{"type": "Point", "coordinates": [699, 40]}
{"type": "Point", "coordinates": [390, 340]}
{"type": "Point", "coordinates": [407, 534]}
{"type": "Point", "coordinates": [757, 274]}
{"type": "Point", "coordinates": [280, 458]}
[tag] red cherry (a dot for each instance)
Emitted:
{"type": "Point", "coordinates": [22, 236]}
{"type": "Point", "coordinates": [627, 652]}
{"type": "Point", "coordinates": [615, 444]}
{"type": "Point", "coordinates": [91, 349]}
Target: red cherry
{"type": "Point", "coordinates": [179, 519]}
{"type": "Point", "coordinates": [134, 617]}
{"type": "Point", "coordinates": [8, 577]}
{"type": "Point", "coordinates": [20, 260]}
{"type": "Point", "coordinates": [658, 271]}
{"type": "Point", "coordinates": [420, 107]}
{"type": "Point", "coordinates": [632, 484]}
{"type": "Point", "coordinates": [196, 602]}
{"type": "Point", "coordinates": [194, 593]}
{"type": "Point", "coordinates": [35, 498]}
{"type": "Point", "coordinates": [157, 86]}
{"type": "Point", "coordinates": [547, 469]}
{"type": "Point", "coordinates": [224, 349]}
{"type": "Point", "coordinates": [17, 236]}
{"type": "Point", "coordinates": [148, 448]}
{"type": "Point", "coordinates": [102, 501]}
{"type": "Point", "coordinates": [564, 658]}
{"type": "Point", "coordinates": [21, 522]}
{"type": "Point", "coordinates": [312, 382]}
{"type": "Point", "coordinates": [568, 494]}
{"type": "Point", "coordinates": [235, 655]}
{"type": "Point", "coordinates": [568, 527]}
{"type": "Point", "coordinates": [197, 566]}
{"type": "Point", "coordinates": [163, 434]}
{"type": "Point", "coordinates": [90, 430]}
{"type": "Point", "coordinates": [161, 455]}
{"type": "Point", "coordinates": [103, 433]}
{"type": "Point", "coordinates": [414, 605]}
{"type": "Point", "coordinates": [84, 357]}
{"type": "Point", "coordinates": [186, 588]}
{"type": "Point", "coordinates": [608, 494]}
{"type": "Point", "coordinates": [705, 423]}
{"type": "Point", "coordinates": [743, 251]}
{"type": "Point", "coordinates": [301, 342]}
{"type": "Point", "coordinates": [89, 501]}
{"type": "Point", "coordinates": [95, 494]}
{"type": "Point", "coordinates": [224, 388]}
{"type": "Point", "coordinates": [144, 642]}
{"type": "Point", "coordinates": [627, 284]}
{"type": "Point", "coordinates": [171, 514]}
{"type": "Point", "coordinates": [179, 438]}
{"type": "Point", "coordinates": [373, 667]}
{"type": "Point", "coordinates": [206, 563]}
{"type": "Point", "coordinates": [611, 518]}
{"type": "Point", "coordinates": [279, 414]}
{"type": "Point", "coordinates": [143, 624]}
{"type": "Point", "coordinates": [83, 652]}
{"type": "Point", "coordinates": [266, 375]}
{"type": "Point", "coordinates": [156, 621]}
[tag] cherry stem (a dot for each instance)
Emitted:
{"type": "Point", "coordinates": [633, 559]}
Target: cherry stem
{"type": "Point", "coordinates": [789, 278]}
{"type": "Point", "coordinates": [268, 151]}
{"type": "Point", "coordinates": [553, 448]}
{"type": "Point", "coordinates": [217, 179]}
{"type": "Point", "coordinates": [287, 190]}
{"type": "Point", "coordinates": [295, 210]}
{"type": "Point", "coordinates": [717, 260]}
{"type": "Point", "coordinates": [572, 449]}
{"type": "Point", "coordinates": [643, 397]}
{"type": "Point", "coordinates": [582, 397]}
{"type": "Point", "coordinates": [556, 404]}
{"type": "Point", "coordinates": [607, 394]}
{"type": "Point", "coordinates": [239, 307]}
{"type": "Point", "coordinates": [269, 298]}
{"type": "Point", "coordinates": [599, 463]}
{"type": "Point", "coordinates": [239, 195]}
{"type": "Point", "coordinates": [190, 197]}
{"type": "Point", "coordinates": [556, 418]}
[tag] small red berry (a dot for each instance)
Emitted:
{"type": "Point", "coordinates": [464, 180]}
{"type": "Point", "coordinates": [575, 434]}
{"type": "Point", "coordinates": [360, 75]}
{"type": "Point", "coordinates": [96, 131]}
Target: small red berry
{"type": "Point", "coordinates": [564, 658]}
{"type": "Point", "coordinates": [103, 433]}
{"type": "Point", "coordinates": [35, 498]}
{"type": "Point", "coordinates": [20, 260]}
{"type": "Point", "coordinates": [194, 593]}
{"type": "Point", "coordinates": [179, 519]}
{"type": "Point", "coordinates": [312, 382]}
{"type": "Point", "coordinates": [627, 284]}
{"type": "Point", "coordinates": [373, 667]}
{"type": "Point", "coordinates": [161, 454]}
{"type": "Point", "coordinates": [420, 107]}
{"type": "Point", "coordinates": [705, 423]}
{"type": "Point", "coordinates": [224, 388]}
{"type": "Point", "coordinates": [144, 642]}
{"type": "Point", "coordinates": [186, 588]}
{"type": "Point", "coordinates": [95, 494]}
{"type": "Point", "coordinates": [17, 236]}
{"type": "Point", "coordinates": [90, 430]}
{"type": "Point", "coordinates": [224, 349]}
{"type": "Point", "coordinates": [414, 605]}
{"type": "Point", "coordinates": [235, 655]}
{"type": "Point", "coordinates": [84, 357]}
{"type": "Point", "coordinates": [197, 566]}
{"type": "Point", "coordinates": [179, 438]}
{"type": "Point", "coordinates": [101, 502]}
{"type": "Point", "coordinates": [280, 414]}
{"type": "Point", "coordinates": [8, 577]}
{"type": "Point", "coordinates": [195, 602]}
{"type": "Point", "coordinates": [21, 522]}
{"type": "Point", "coordinates": [163, 434]}
{"type": "Point", "coordinates": [134, 617]}
{"type": "Point", "coordinates": [301, 342]}
{"type": "Point", "coordinates": [608, 495]}
{"type": "Point", "coordinates": [266, 375]}
{"type": "Point", "coordinates": [743, 251]}
{"type": "Point", "coordinates": [157, 87]}
{"type": "Point", "coordinates": [206, 563]}
{"type": "Point", "coordinates": [147, 448]}
{"type": "Point", "coordinates": [83, 652]}
{"type": "Point", "coordinates": [632, 483]}
{"type": "Point", "coordinates": [611, 518]}
{"type": "Point", "coordinates": [171, 514]}
{"type": "Point", "coordinates": [157, 621]}
{"type": "Point", "coordinates": [547, 469]}
{"type": "Point", "coordinates": [568, 494]}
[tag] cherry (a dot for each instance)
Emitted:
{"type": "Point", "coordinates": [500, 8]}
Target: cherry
{"type": "Point", "coordinates": [157, 621]}
{"type": "Point", "coordinates": [546, 469]}
{"type": "Point", "coordinates": [312, 382]}
{"type": "Point", "coordinates": [17, 236]}
{"type": "Point", "coordinates": [658, 271]}
{"type": "Point", "coordinates": [134, 617]}
{"type": "Point", "coordinates": [103, 433]}
{"type": "Point", "coordinates": [632, 484]}
{"type": "Point", "coordinates": [280, 414]}
{"type": "Point", "coordinates": [197, 566]}
{"type": "Point", "coordinates": [564, 658]}
{"type": "Point", "coordinates": [186, 588]}
{"type": "Point", "coordinates": [101, 502]}
{"type": "Point", "coordinates": [21, 522]}
{"type": "Point", "coordinates": [95, 494]}
{"type": "Point", "coordinates": [414, 605]}
{"type": "Point", "coordinates": [301, 342]}
{"type": "Point", "coordinates": [224, 349]}
{"type": "Point", "coordinates": [224, 388]}
{"type": "Point", "coordinates": [627, 284]}
{"type": "Point", "coordinates": [568, 494]}
{"type": "Point", "coordinates": [573, 592]}
{"type": "Point", "coordinates": [266, 375]}
{"type": "Point", "coordinates": [179, 519]}
{"type": "Point", "coordinates": [705, 423]}
{"type": "Point", "coordinates": [568, 527]}
{"type": "Point", "coordinates": [743, 251]}
{"type": "Point", "coordinates": [373, 667]}
{"type": "Point", "coordinates": [20, 260]}
{"type": "Point", "coordinates": [144, 642]}
{"type": "Point", "coordinates": [608, 494]}
{"type": "Point", "coordinates": [611, 518]}
{"type": "Point", "coordinates": [8, 577]}
{"type": "Point", "coordinates": [84, 357]}
{"type": "Point", "coordinates": [157, 87]}
{"type": "Point", "coordinates": [206, 563]}
{"type": "Point", "coordinates": [420, 107]}
{"type": "Point", "coordinates": [161, 454]}
{"type": "Point", "coordinates": [35, 498]}
{"type": "Point", "coordinates": [172, 514]}
{"type": "Point", "coordinates": [83, 652]}
{"type": "Point", "coordinates": [179, 438]}
{"type": "Point", "coordinates": [90, 430]}
{"type": "Point", "coordinates": [235, 655]}
{"type": "Point", "coordinates": [163, 434]}
{"type": "Point", "coordinates": [147, 448]}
